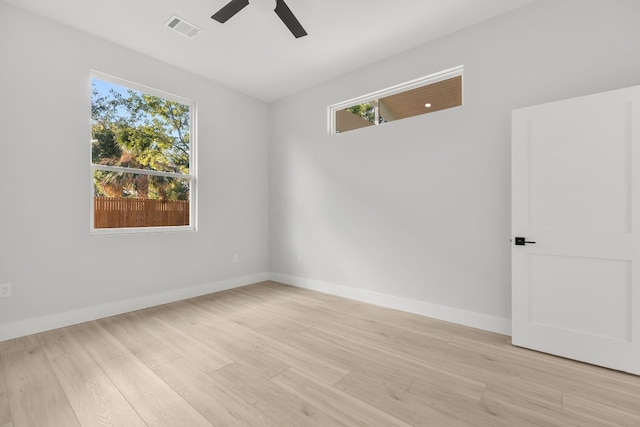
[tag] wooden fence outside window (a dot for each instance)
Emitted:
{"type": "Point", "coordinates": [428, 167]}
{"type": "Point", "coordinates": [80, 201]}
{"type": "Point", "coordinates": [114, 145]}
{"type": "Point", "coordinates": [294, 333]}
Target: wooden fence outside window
{"type": "Point", "coordinates": [113, 212]}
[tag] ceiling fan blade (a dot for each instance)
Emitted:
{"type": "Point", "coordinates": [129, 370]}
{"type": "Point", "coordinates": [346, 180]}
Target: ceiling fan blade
{"type": "Point", "coordinates": [230, 9]}
{"type": "Point", "coordinates": [289, 19]}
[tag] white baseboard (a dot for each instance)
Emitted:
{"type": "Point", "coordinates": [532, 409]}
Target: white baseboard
{"type": "Point", "coordinates": [59, 320]}
{"type": "Point", "coordinates": [449, 314]}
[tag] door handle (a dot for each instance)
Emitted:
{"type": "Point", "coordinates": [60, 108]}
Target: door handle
{"type": "Point", "coordinates": [521, 241]}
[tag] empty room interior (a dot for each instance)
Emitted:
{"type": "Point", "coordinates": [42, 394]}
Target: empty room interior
{"type": "Point", "coordinates": [259, 213]}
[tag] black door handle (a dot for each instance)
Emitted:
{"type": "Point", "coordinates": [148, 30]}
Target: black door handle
{"type": "Point", "coordinates": [521, 241]}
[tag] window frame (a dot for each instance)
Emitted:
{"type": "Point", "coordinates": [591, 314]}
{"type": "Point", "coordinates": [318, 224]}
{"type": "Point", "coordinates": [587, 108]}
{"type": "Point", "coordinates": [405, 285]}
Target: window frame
{"type": "Point", "coordinates": [191, 176]}
{"type": "Point", "coordinates": [374, 97]}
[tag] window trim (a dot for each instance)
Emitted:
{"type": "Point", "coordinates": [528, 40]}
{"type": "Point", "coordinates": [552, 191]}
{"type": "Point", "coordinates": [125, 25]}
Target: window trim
{"type": "Point", "coordinates": [192, 176]}
{"type": "Point", "coordinates": [373, 97]}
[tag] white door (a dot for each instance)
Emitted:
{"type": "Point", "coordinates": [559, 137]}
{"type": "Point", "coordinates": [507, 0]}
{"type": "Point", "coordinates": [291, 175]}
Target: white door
{"type": "Point", "coordinates": [576, 194]}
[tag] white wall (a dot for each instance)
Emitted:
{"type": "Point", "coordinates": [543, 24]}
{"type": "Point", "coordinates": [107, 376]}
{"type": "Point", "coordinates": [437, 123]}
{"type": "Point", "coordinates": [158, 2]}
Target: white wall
{"type": "Point", "coordinates": [413, 214]}
{"type": "Point", "coordinates": [61, 274]}
{"type": "Point", "coordinates": [416, 213]}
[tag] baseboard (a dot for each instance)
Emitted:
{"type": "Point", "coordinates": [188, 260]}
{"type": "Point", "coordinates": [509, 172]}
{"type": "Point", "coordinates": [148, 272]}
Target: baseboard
{"type": "Point", "coordinates": [449, 314]}
{"type": "Point", "coordinates": [59, 320]}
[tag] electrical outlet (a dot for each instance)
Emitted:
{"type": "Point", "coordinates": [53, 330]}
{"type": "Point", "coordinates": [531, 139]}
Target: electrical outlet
{"type": "Point", "coordinates": [299, 257]}
{"type": "Point", "coordinates": [235, 258]}
{"type": "Point", "coordinates": [5, 290]}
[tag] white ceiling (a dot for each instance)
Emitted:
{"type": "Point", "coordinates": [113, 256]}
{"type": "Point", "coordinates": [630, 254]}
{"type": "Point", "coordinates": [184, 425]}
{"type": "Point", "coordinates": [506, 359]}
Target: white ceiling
{"type": "Point", "coordinates": [254, 52]}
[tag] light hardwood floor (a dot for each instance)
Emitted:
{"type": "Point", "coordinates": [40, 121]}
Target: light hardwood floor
{"type": "Point", "coordinates": [275, 355]}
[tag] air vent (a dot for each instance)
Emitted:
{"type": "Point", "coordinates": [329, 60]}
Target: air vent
{"type": "Point", "coordinates": [183, 27]}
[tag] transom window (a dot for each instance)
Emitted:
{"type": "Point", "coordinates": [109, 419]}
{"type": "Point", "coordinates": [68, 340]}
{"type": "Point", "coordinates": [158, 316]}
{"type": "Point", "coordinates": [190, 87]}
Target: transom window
{"type": "Point", "coordinates": [427, 94]}
{"type": "Point", "coordinates": [142, 158]}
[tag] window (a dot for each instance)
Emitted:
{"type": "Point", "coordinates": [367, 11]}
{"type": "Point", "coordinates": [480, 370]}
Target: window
{"type": "Point", "coordinates": [431, 93]}
{"type": "Point", "coordinates": [142, 158]}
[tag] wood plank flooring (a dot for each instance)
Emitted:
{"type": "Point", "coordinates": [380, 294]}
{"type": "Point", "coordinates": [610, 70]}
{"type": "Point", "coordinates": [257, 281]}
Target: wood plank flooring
{"type": "Point", "coordinates": [276, 355]}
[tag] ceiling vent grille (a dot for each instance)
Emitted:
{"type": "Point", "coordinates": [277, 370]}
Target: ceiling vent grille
{"type": "Point", "coordinates": [183, 27]}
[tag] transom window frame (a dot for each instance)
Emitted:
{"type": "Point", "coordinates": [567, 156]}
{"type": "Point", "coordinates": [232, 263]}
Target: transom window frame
{"type": "Point", "coordinates": [373, 97]}
{"type": "Point", "coordinates": [191, 176]}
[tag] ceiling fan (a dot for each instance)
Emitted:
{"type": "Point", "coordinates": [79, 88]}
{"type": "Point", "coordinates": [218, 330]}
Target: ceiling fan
{"type": "Point", "coordinates": [281, 9]}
